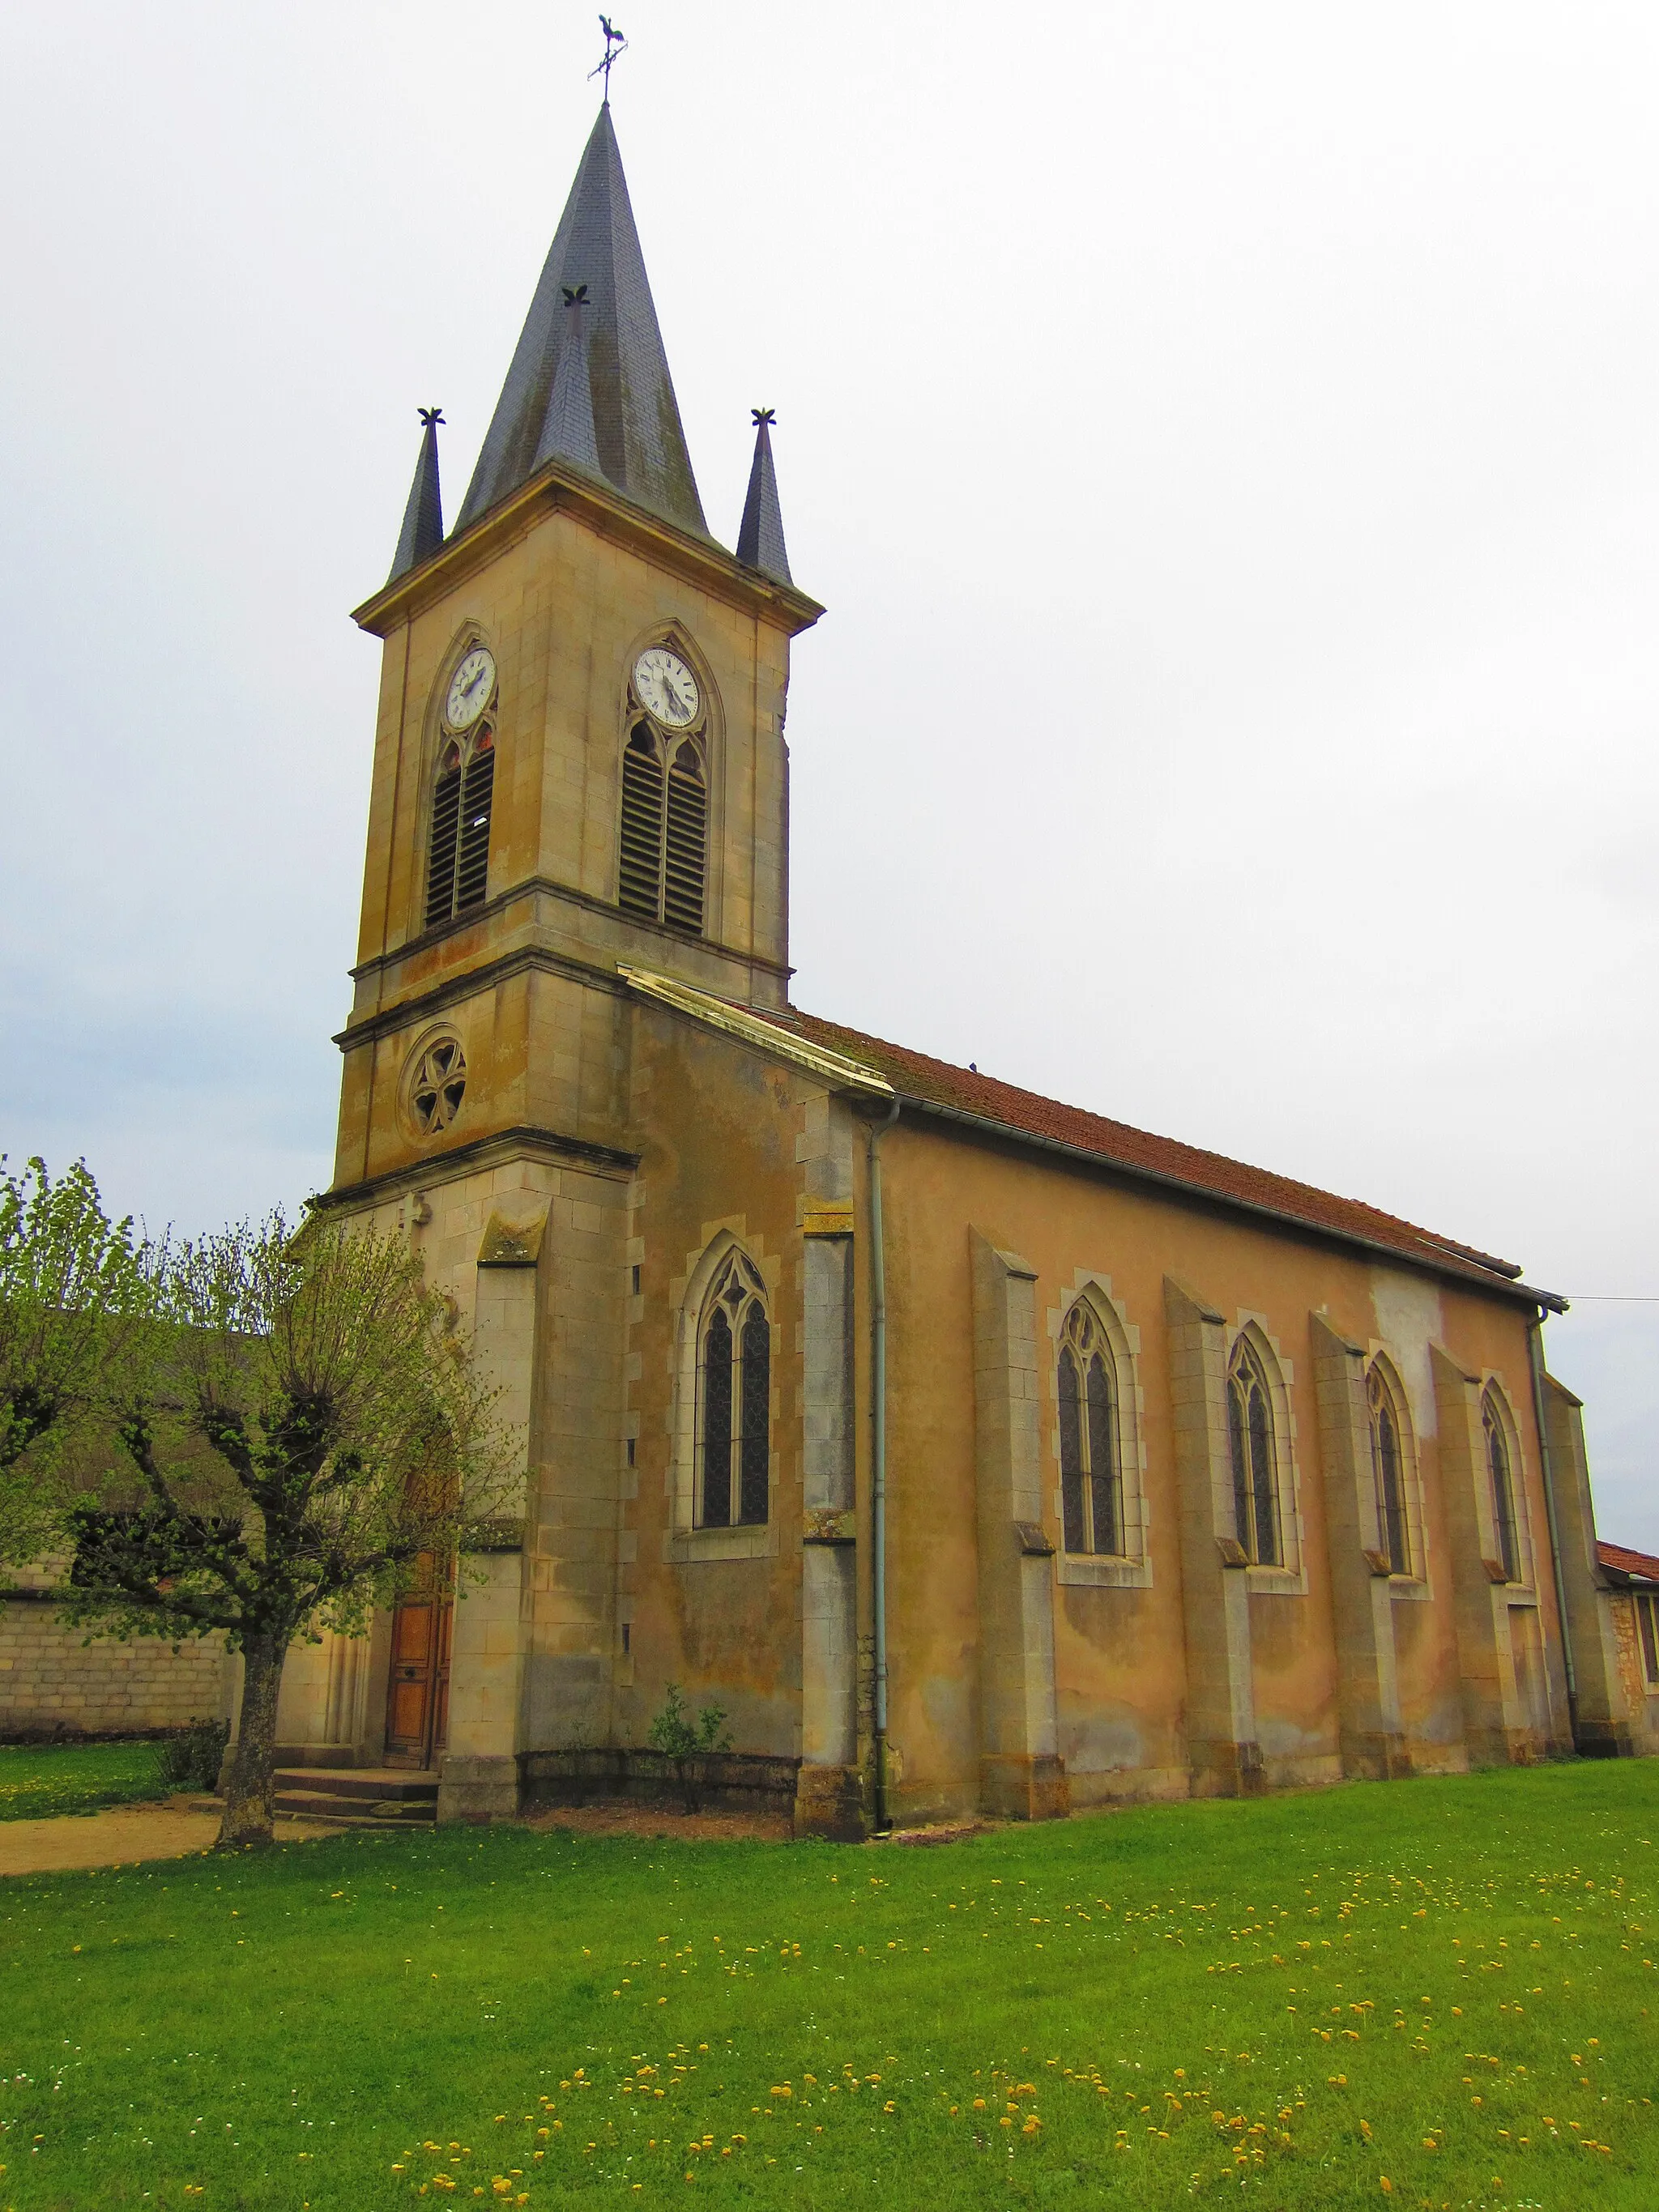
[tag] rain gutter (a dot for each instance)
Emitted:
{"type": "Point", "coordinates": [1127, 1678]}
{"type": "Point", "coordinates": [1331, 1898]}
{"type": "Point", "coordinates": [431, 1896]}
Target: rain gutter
{"type": "Point", "coordinates": [879, 1465]}
{"type": "Point", "coordinates": [1535, 1352]}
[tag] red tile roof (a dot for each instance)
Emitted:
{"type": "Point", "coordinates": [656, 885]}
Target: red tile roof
{"type": "Point", "coordinates": [983, 1098]}
{"type": "Point", "coordinates": [1642, 1565]}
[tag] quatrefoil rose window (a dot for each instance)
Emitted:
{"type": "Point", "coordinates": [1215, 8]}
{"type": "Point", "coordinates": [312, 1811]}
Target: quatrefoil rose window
{"type": "Point", "coordinates": [437, 1085]}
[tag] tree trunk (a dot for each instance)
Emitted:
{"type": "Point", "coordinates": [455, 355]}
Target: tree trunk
{"type": "Point", "coordinates": [248, 1791]}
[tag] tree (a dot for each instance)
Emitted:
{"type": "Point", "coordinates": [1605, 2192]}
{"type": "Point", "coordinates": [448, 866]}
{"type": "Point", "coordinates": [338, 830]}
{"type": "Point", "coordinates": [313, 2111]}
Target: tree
{"type": "Point", "coordinates": [76, 1292]}
{"type": "Point", "coordinates": [309, 1427]}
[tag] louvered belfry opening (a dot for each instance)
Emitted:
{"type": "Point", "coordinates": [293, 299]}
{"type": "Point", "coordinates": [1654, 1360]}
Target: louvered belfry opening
{"type": "Point", "coordinates": [685, 835]}
{"type": "Point", "coordinates": [458, 868]}
{"type": "Point", "coordinates": [640, 871]}
{"type": "Point", "coordinates": [662, 862]}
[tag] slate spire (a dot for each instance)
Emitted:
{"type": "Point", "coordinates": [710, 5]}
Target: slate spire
{"type": "Point", "coordinates": [760, 535]}
{"type": "Point", "coordinates": [637, 437]}
{"type": "Point", "coordinates": [568, 430]}
{"type": "Point", "coordinates": [422, 532]}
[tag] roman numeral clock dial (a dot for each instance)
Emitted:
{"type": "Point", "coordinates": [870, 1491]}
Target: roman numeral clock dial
{"type": "Point", "coordinates": [665, 688]}
{"type": "Point", "coordinates": [471, 688]}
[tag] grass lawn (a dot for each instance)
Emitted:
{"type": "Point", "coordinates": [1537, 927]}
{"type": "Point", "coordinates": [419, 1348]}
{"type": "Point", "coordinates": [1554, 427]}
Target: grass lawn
{"type": "Point", "coordinates": [1424, 1993]}
{"type": "Point", "coordinates": [39, 1781]}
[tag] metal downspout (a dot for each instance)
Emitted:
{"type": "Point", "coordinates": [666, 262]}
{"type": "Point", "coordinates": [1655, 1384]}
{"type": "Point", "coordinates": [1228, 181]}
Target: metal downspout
{"type": "Point", "coordinates": [1535, 1348]}
{"type": "Point", "coordinates": [879, 1466]}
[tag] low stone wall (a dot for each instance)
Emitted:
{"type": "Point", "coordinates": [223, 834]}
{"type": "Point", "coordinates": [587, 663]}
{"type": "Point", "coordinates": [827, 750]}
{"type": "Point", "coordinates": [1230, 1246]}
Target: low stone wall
{"type": "Point", "coordinates": [54, 1684]}
{"type": "Point", "coordinates": [729, 1780]}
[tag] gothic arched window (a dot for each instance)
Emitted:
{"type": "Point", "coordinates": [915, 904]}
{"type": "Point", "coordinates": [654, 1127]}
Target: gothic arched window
{"type": "Point", "coordinates": [662, 861]}
{"type": "Point", "coordinates": [1389, 1468]}
{"type": "Point", "coordinates": [1503, 1485]}
{"type": "Point", "coordinates": [1254, 1456]}
{"type": "Point", "coordinates": [457, 863]}
{"type": "Point", "coordinates": [1091, 1437]}
{"type": "Point", "coordinates": [734, 1396]}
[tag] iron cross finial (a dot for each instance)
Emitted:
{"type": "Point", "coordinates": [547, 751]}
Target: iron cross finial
{"type": "Point", "coordinates": [430, 416]}
{"type": "Point", "coordinates": [615, 44]}
{"type": "Point", "coordinates": [762, 417]}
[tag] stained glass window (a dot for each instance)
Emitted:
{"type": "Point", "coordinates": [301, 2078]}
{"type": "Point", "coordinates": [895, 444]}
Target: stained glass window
{"type": "Point", "coordinates": [1071, 1456]}
{"type": "Point", "coordinates": [1090, 1460]}
{"type": "Point", "coordinates": [717, 1403]}
{"type": "Point", "coordinates": [1388, 1470]}
{"type": "Point", "coordinates": [1254, 1457]}
{"type": "Point", "coordinates": [1502, 1488]}
{"type": "Point", "coordinates": [734, 1381]}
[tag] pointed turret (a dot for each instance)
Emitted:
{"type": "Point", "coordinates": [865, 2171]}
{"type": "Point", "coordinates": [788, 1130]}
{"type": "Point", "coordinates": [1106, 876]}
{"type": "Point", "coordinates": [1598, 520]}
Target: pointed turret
{"type": "Point", "coordinates": [760, 535]}
{"type": "Point", "coordinates": [422, 532]}
{"type": "Point", "coordinates": [637, 437]}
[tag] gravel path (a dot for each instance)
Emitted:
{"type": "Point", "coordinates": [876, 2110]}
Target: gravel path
{"type": "Point", "coordinates": [122, 1836]}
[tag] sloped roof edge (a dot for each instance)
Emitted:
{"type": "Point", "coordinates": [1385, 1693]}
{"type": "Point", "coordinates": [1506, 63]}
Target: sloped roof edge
{"type": "Point", "coordinates": [836, 1068]}
{"type": "Point", "coordinates": [982, 1102]}
{"type": "Point", "coordinates": [879, 1069]}
{"type": "Point", "coordinates": [1618, 1560]}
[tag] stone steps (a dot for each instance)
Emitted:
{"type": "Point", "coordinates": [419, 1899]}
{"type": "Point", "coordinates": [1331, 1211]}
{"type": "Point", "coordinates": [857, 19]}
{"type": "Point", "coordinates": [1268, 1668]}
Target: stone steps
{"type": "Point", "coordinates": [357, 1797]}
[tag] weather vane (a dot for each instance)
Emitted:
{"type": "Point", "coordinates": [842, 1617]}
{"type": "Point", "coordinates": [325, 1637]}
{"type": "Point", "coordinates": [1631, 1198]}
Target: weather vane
{"type": "Point", "coordinates": [615, 44]}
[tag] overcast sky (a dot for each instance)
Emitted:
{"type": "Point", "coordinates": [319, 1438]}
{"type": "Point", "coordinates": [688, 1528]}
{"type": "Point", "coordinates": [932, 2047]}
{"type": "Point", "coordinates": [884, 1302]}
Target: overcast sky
{"type": "Point", "coordinates": [1223, 437]}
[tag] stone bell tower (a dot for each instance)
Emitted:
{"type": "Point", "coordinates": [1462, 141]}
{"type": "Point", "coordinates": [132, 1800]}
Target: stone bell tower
{"type": "Point", "coordinates": [579, 766]}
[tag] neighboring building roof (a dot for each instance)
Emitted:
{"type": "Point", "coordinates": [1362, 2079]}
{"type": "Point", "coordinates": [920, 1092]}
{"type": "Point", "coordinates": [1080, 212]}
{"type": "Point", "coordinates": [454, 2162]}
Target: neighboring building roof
{"type": "Point", "coordinates": [636, 418]}
{"type": "Point", "coordinates": [964, 1094]}
{"type": "Point", "coordinates": [1628, 1567]}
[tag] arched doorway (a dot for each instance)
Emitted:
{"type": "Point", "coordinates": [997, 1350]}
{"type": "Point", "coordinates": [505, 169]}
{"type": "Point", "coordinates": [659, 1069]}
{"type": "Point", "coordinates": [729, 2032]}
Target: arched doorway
{"type": "Point", "coordinates": [417, 1692]}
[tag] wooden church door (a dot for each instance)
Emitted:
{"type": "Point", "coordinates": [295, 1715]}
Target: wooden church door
{"type": "Point", "coordinates": [417, 1695]}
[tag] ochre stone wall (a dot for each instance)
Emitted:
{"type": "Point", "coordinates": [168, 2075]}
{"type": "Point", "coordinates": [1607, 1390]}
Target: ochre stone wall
{"type": "Point", "coordinates": [1643, 1702]}
{"type": "Point", "coordinates": [1120, 1665]}
{"type": "Point", "coordinates": [51, 1679]}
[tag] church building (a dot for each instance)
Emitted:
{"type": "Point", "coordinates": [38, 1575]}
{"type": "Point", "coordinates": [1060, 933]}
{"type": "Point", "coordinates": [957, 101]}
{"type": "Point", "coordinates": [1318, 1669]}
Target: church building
{"type": "Point", "coordinates": [974, 1453]}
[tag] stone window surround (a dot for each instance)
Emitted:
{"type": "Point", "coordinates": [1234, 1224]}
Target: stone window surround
{"type": "Point", "coordinates": [1290, 1580]}
{"type": "Point", "coordinates": [684, 1543]}
{"type": "Point", "coordinates": [1096, 1571]}
{"type": "Point", "coordinates": [435, 735]}
{"type": "Point", "coordinates": [430, 1033]}
{"type": "Point", "coordinates": [709, 726]}
{"type": "Point", "coordinates": [1417, 1587]}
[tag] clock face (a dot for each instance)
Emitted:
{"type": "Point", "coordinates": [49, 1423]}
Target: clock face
{"type": "Point", "coordinates": [667, 688]}
{"type": "Point", "coordinates": [471, 688]}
